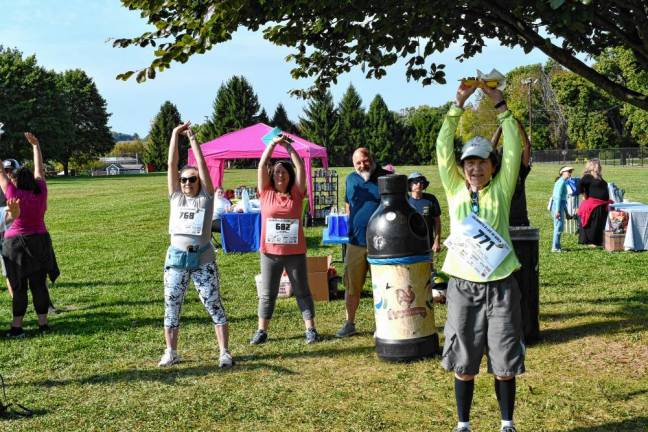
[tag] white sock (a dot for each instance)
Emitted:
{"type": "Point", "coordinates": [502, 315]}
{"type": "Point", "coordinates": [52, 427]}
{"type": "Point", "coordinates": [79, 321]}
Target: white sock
{"type": "Point", "coordinates": [506, 423]}
{"type": "Point", "coordinates": [463, 425]}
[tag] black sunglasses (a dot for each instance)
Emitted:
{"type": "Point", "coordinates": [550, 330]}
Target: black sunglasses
{"type": "Point", "coordinates": [191, 179]}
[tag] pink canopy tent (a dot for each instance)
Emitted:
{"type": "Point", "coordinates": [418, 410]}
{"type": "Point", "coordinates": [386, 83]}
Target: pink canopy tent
{"type": "Point", "coordinates": [246, 143]}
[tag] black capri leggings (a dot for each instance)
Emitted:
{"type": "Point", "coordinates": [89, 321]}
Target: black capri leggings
{"type": "Point", "coordinates": [40, 295]}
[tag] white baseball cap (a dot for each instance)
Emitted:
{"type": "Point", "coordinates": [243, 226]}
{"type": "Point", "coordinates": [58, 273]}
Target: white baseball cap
{"type": "Point", "coordinates": [477, 147]}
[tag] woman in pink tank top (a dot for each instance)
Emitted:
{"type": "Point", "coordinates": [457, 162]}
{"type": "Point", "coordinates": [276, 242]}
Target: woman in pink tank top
{"type": "Point", "coordinates": [283, 245]}
{"type": "Point", "coordinates": [27, 247]}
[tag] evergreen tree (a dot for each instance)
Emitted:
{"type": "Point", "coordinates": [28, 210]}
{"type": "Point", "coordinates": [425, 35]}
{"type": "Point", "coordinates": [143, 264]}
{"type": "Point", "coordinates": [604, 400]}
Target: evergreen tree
{"type": "Point", "coordinates": [424, 123]}
{"type": "Point", "coordinates": [236, 106]}
{"type": "Point", "coordinates": [381, 132]}
{"type": "Point", "coordinates": [320, 124]}
{"type": "Point", "coordinates": [351, 127]}
{"type": "Point", "coordinates": [280, 119]}
{"type": "Point", "coordinates": [157, 147]}
{"type": "Point", "coordinates": [89, 136]}
{"type": "Point", "coordinates": [263, 117]}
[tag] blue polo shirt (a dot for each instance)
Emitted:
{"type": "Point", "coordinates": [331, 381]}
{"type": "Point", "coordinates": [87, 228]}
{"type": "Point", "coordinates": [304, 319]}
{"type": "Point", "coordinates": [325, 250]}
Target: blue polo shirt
{"type": "Point", "coordinates": [363, 198]}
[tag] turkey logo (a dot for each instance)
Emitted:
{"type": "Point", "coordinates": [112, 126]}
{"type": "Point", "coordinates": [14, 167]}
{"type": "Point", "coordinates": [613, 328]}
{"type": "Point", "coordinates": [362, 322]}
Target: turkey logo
{"type": "Point", "coordinates": [405, 297]}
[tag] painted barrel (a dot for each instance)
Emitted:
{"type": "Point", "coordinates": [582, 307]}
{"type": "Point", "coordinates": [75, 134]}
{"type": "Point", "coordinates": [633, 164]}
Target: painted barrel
{"type": "Point", "coordinates": [398, 249]}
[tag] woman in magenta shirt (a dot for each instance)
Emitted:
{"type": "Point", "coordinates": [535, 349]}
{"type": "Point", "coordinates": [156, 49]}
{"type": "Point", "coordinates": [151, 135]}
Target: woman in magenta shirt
{"type": "Point", "coordinates": [27, 246]}
{"type": "Point", "coordinates": [283, 245]}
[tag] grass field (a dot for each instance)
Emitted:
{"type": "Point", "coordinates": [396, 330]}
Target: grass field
{"type": "Point", "coordinates": [97, 370]}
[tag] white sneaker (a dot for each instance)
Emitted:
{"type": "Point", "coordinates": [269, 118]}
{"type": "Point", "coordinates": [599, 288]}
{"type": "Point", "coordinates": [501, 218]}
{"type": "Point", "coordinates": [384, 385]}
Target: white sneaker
{"type": "Point", "coordinates": [225, 360]}
{"type": "Point", "coordinates": [169, 358]}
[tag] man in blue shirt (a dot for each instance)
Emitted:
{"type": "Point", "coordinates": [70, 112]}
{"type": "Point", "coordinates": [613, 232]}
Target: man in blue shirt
{"type": "Point", "coordinates": [362, 198]}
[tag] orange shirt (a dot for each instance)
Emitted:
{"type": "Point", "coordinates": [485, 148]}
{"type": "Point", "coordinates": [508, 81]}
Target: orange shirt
{"type": "Point", "coordinates": [282, 232]}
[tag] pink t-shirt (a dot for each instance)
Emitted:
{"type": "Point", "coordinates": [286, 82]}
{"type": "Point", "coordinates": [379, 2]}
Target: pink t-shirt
{"type": "Point", "coordinates": [32, 210]}
{"type": "Point", "coordinates": [281, 223]}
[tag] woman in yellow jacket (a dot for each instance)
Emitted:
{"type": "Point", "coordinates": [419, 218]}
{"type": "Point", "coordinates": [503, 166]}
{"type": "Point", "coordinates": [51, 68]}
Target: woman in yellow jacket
{"type": "Point", "coordinates": [483, 297]}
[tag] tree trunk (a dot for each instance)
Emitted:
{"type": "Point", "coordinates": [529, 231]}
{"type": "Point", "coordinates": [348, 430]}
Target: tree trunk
{"type": "Point", "coordinates": [65, 167]}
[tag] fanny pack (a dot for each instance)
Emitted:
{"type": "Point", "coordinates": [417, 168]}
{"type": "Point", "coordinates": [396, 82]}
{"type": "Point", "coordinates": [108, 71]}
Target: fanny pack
{"type": "Point", "coordinates": [184, 259]}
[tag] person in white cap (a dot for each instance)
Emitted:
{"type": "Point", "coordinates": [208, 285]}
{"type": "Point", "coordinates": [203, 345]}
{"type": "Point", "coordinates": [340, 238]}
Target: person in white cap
{"type": "Point", "coordinates": [559, 206]}
{"type": "Point", "coordinates": [484, 311]}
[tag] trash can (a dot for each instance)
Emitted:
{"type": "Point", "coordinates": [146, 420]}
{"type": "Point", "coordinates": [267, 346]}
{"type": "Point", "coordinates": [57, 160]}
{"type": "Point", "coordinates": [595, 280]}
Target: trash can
{"type": "Point", "coordinates": [526, 245]}
{"type": "Point", "coordinates": [398, 249]}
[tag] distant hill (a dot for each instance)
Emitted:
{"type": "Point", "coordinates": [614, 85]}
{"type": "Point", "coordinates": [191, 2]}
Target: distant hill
{"type": "Point", "coordinates": [118, 136]}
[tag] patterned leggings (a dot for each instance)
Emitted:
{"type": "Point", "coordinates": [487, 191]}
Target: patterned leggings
{"type": "Point", "coordinates": [206, 281]}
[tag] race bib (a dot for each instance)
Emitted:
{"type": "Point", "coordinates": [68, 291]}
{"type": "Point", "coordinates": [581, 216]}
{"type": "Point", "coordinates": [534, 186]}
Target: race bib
{"type": "Point", "coordinates": [186, 220]}
{"type": "Point", "coordinates": [282, 231]}
{"type": "Point", "coordinates": [478, 245]}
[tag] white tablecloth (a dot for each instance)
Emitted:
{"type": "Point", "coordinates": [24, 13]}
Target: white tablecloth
{"type": "Point", "coordinates": [636, 237]}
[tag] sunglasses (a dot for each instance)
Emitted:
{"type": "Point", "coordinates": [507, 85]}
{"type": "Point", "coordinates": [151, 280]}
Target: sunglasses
{"type": "Point", "coordinates": [191, 179]}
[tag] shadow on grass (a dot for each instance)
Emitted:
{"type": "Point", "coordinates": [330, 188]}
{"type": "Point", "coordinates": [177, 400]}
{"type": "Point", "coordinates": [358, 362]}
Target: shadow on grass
{"type": "Point", "coordinates": [97, 284]}
{"type": "Point", "coordinates": [171, 375]}
{"type": "Point", "coordinates": [630, 425]}
{"type": "Point", "coordinates": [630, 317]}
{"type": "Point", "coordinates": [105, 322]}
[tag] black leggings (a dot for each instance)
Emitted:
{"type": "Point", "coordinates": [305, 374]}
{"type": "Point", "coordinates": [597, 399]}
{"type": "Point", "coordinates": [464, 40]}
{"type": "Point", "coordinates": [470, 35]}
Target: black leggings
{"type": "Point", "coordinates": [40, 295]}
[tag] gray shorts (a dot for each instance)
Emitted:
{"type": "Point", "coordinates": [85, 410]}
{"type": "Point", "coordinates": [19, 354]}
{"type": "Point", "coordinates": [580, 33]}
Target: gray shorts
{"type": "Point", "coordinates": [484, 318]}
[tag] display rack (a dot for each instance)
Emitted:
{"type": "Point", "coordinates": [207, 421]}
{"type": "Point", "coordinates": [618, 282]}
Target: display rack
{"type": "Point", "coordinates": [325, 193]}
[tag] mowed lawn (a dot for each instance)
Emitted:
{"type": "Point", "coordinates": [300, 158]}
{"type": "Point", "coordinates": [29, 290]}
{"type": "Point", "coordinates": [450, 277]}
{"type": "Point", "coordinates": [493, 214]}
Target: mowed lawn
{"type": "Point", "coordinates": [98, 369]}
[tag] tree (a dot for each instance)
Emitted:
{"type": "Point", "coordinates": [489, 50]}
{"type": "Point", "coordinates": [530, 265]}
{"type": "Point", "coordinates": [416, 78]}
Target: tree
{"type": "Point", "coordinates": [424, 123]}
{"type": "Point", "coordinates": [130, 148]}
{"type": "Point", "coordinates": [331, 37]}
{"type": "Point", "coordinates": [381, 132]}
{"type": "Point", "coordinates": [525, 80]}
{"type": "Point", "coordinates": [351, 127]}
{"type": "Point", "coordinates": [89, 136]}
{"type": "Point", "coordinates": [591, 115]}
{"type": "Point", "coordinates": [280, 119]}
{"type": "Point", "coordinates": [31, 101]}
{"type": "Point", "coordinates": [320, 123]}
{"type": "Point", "coordinates": [263, 117]}
{"type": "Point", "coordinates": [157, 148]}
{"type": "Point", "coordinates": [236, 106]}
{"type": "Point", "coordinates": [620, 65]}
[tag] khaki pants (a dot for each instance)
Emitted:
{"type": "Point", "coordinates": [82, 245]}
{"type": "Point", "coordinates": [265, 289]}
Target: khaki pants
{"type": "Point", "coordinates": [355, 268]}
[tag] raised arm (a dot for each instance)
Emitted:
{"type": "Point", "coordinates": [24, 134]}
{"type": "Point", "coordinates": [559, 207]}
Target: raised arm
{"type": "Point", "coordinates": [512, 146]}
{"type": "Point", "coordinates": [263, 176]}
{"type": "Point", "coordinates": [203, 172]}
{"type": "Point", "coordinates": [39, 168]}
{"type": "Point", "coordinates": [526, 150]}
{"type": "Point", "coordinates": [448, 170]}
{"type": "Point", "coordinates": [172, 164]}
{"type": "Point", "coordinates": [300, 171]}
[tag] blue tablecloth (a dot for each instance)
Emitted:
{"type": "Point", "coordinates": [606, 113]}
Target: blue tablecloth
{"type": "Point", "coordinates": [241, 232]}
{"type": "Point", "coordinates": [336, 230]}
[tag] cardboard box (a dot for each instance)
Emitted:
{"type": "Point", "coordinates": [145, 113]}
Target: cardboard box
{"type": "Point", "coordinates": [318, 284]}
{"type": "Point", "coordinates": [318, 263]}
{"type": "Point", "coordinates": [285, 288]}
{"type": "Point", "coordinates": [613, 242]}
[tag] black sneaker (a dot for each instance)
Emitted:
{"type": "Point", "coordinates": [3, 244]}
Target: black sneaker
{"type": "Point", "coordinates": [259, 337]}
{"type": "Point", "coordinates": [45, 328]}
{"type": "Point", "coordinates": [15, 333]}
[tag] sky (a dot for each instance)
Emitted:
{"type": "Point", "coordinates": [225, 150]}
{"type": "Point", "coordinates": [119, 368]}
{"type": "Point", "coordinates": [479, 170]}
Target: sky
{"type": "Point", "coordinates": [71, 34]}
